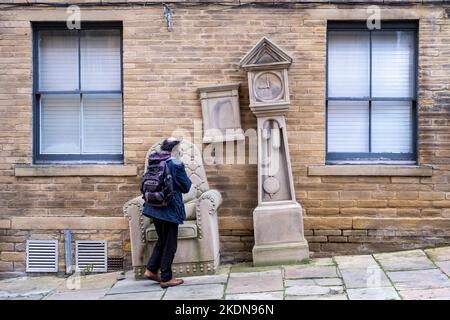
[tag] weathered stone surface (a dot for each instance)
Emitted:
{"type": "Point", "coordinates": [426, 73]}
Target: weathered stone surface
{"type": "Point", "coordinates": [401, 223]}
{"type": "Point", "coordinates": [306, 271]}
{"type": "Point", "coordinates": [439, 254]}
{"type": "Point", "coordinates": [404, 260]}
{"type": "Point", "coordinates": [195, 292]}
{"type": "Point", "coordinates": [355, 262]}
{"type": "Point", "coordinates": [5, 224]}
{"type": "Point", "coordinates": [422, 294]}
{"type": "Point", "coordinates": [370, 277]}
{"type": "Point", "coordinates": [370, 170]}
{"type": "Point", "coordinates": [319, 297]}
{"type": "Point", "coordinates": [130, 285]}
{"type": "Point", "coordinates": [88, 282]}
{"type": "Point", "coordinates": [321, 262]}
{"type": "Point", "coordinates": [152, 295]}
{"type": "Point", "coordinates": [27, 286]}
{"type": "Point", "coordinates": [273, 295]}
{"type": "Point", "coordinates": [60, 223]}
{"type": "Point", "coordinates": [28, 297]}
{"type": "Point", "coordinates": [328, 222]}
{"type": "Point", "coordinates": [444, 266]}
{"type": "Point", "coordinates": [255, 282]}
{"type": "Point", "coordinates": [75, 170]}
{"type": "Point", "coordinates": [419, 279]}
{"type": "Point", "coordinates": [78, 295]}
{"type": "Point", "coordinates": [223, 278]}
{"type": "Point", "coordinates": [313, 290]}
{"type": "Point", "coordinates": [382, 293]}
{"type": "Point", "coordinates": [313, 282]}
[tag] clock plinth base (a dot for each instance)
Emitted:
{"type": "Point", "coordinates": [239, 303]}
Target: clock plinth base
{"type": "Point", "coordinates": [279, 234]}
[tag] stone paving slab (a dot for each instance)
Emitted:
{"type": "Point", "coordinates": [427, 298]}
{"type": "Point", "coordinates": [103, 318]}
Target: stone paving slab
{"type": "Point", "coordinates": [78, 295]}
{"type": "Point", "coordinates": [313, 282]}
{"type": "Point", "coordinates": [88, 282]}
{"type": "Point", "coordinates": [419, 279]}
{"type": "Point", "coordinates": [28, 297]}
{"type": "Point", "coordinates": [444, 266]}
{"type": "Point", "coordinates": [320, 297]}
{"type": "Point", "coordinates": [27, 286]}
{"type": "Point", "coordinates": [222, 278]}
{"type": "Point", "coordinates": [440, 293]}
{"type": "Point", "coordinates": [370, 277]}
{"type": "Point", "coordinates": [131, 285]}
{"type": "Point", "coordinates": [355, 262]}
{"type": "Point", "coordinates": [313, 290]}
{"type": "Point", "coordinates": [308, 271]}
{"type": "Point", "coordinates": [275, 295]}
{"type": "Point", "coordinates": [152, 295]}
{"type": "Point", "coordinates": [439, 254]}
{"type": "Point", "coordinates": [383, 293]}
{"type": "Point", "coordinates": [404, 260]}
{"type": "Point", "coordinates": [195, 292]}
{"type": "Point", "coordinates": [255, 282]}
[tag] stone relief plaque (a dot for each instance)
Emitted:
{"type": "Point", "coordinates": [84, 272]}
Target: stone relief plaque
{"type": "Point", "coordinates": [221, 114]}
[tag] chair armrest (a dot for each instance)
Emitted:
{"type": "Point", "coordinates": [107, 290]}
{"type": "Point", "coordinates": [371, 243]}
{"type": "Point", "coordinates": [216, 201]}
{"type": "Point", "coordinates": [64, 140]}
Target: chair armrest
{"type": "Point", "coordinates": [213, 197]}
{"type": "Point", "coordinates": [132, 210]}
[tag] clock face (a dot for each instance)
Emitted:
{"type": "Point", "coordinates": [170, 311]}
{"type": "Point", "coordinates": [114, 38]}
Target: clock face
{"type": "Point", "coordinates": [268, 86]}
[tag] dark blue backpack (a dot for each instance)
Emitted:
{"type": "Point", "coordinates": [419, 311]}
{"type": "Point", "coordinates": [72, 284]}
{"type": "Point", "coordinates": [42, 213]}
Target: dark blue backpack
{"type": "Point", "coordinates": [157, 183]}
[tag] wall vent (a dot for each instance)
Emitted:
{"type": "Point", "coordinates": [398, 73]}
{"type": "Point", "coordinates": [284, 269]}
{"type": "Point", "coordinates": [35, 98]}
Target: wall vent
{"type": "Point", "coordinates": [42, 256]}
{"type": "Point", "coordinates": [115, 264]}
{"type": "Point", "coordinates": [91, 256]}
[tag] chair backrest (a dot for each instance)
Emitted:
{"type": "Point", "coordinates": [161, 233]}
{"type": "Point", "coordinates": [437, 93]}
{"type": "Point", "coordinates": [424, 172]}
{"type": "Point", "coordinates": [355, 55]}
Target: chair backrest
{"type": "Point", "coordinates": [192, 159]}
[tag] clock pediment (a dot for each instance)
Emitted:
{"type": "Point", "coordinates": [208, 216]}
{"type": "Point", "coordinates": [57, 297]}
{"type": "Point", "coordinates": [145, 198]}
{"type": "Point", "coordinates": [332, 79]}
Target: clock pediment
{"type": "Point", "coordinates": [265, 55]}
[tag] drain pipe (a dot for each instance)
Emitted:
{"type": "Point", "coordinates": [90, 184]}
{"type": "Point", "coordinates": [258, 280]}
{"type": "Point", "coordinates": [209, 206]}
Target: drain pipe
{"type": "Point", "coordinates": [68, 250]}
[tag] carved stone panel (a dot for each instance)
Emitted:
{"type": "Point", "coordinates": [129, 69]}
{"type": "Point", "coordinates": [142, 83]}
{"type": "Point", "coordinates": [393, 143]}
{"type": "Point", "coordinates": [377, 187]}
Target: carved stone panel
{"type": "Point", "coordinates": [220, 110]}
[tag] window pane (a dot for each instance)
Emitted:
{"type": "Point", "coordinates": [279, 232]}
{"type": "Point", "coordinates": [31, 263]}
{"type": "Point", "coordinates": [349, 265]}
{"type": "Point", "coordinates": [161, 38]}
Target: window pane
{"type": "Point", "coordinates": [60, 124]}
{"type": "Point", "coordinates": [392, 124]}
{"type": "Point", "coordinates": [348, 126]}
{"type": "Point", "coordinates": [100, 60]}
{"type": "Point", "coordinates": [102, 123]}
{"type": "Point", "coordinates": [393, 64]}
{"type": "Point", "coordinates": [58, 60]}
{"type": "Point", "coordinates": [348, 64]}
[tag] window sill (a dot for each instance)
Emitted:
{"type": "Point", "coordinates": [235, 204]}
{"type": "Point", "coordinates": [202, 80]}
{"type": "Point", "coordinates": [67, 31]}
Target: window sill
{"type": "Point", "coordinates": [370, 170]}
{"type": "Point", "coordinates": [74, 170]}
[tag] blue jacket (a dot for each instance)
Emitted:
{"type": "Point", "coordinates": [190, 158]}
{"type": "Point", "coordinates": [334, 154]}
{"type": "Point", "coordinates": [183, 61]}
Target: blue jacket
{"type": "Point", "coordinates": [174, 212]}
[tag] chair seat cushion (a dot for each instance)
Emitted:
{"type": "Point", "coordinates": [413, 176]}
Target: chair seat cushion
{"type": "Point", "coordinates": [188, 230]}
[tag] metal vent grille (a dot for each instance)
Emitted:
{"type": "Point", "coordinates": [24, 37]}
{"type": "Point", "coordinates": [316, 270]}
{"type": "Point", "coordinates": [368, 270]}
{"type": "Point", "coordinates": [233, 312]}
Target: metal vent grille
{"type": "Point", "coordinates": [91, 256]}
{"type": "Point", "coordinates": [115, 263]}
{"type": "Point", "coordinates": [42, 256]}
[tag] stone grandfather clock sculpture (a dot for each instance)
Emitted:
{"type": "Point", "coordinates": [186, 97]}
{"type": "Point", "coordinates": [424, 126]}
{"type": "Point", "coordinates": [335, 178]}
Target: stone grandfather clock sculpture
{"type": "Point", "coordinates": [277, 220]}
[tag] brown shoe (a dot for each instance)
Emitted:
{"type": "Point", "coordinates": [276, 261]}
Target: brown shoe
{"type": "Point", "coordinates": [151, 276]}
{"type": "Point", "coordinates": [171, 283]}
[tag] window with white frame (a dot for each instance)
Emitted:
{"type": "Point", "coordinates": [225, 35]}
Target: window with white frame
{"type": "Point", "coordinates": [78, 93]}
{"type": "Point", "coordinates": [371, 92]}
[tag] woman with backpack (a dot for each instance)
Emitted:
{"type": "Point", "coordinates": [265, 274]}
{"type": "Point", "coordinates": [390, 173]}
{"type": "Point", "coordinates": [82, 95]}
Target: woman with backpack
{"type": "Point", "coordinates": [162, 186]}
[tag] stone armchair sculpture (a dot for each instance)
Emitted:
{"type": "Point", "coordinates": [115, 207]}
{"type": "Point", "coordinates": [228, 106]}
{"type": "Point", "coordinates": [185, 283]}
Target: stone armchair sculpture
{"type": "Point", "coordinates": [198, 237]}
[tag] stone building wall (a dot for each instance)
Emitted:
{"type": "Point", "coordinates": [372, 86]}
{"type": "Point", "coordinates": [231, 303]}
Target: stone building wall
{"type": "Point", "coordinates": [369, 212]}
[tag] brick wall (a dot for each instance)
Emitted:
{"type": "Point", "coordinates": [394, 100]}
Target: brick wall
{"type": "Point", "coordinates": [162, 70]}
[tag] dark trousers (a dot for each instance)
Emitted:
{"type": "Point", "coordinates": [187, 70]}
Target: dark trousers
{"type": "Point", "coordinates": [164, 250]}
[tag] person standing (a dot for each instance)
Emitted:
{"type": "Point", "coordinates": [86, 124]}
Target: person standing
{"type": "Point", "coordinates": [167, 216]}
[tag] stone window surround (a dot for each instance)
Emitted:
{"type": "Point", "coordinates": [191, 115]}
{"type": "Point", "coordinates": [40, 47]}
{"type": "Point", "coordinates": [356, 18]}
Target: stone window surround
{"type": "Point", "coordinates": [75, 170]}
{"type": "Point", "coordinates": [379, 170]}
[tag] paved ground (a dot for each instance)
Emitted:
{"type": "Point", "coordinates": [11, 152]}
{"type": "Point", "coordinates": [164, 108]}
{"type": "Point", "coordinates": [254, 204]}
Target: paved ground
{"type": "Point", "coordinates": [416, 274]}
